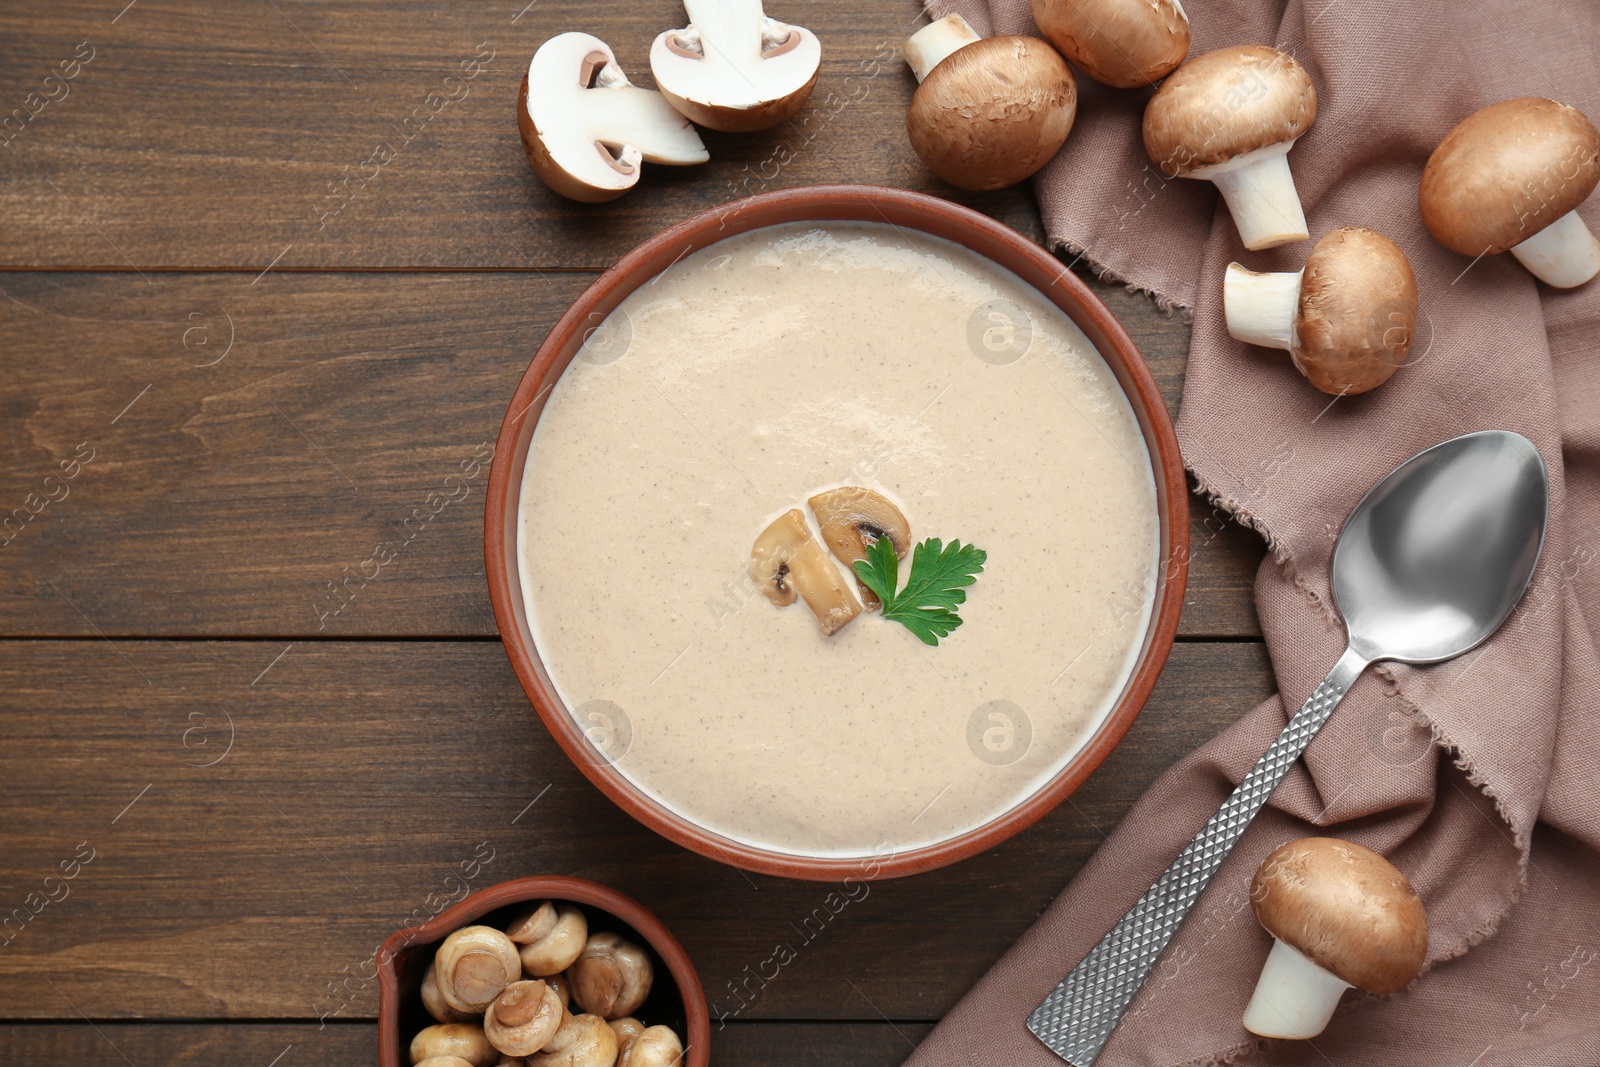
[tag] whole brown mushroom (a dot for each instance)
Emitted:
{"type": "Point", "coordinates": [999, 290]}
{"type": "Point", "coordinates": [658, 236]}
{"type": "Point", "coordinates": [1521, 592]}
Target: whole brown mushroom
{"type": "Point", "coordinates": [1340, 916]}
{"type": "Point", "coordinates": [1346, 319]}
{"type": "Point", "coordinates": [1230, 117]}
{"type": "Point", "coordinates": [989, 112]}
{"type": "Point", "coordinates": [1122, 43]}
{"type": "Point", "coordinates": [612, 977]}
{"type": "Point", "coordinates": [1511, 177]}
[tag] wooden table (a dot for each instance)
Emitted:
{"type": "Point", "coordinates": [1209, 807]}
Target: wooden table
{"type": "Point", "coordinates": [271, 271]}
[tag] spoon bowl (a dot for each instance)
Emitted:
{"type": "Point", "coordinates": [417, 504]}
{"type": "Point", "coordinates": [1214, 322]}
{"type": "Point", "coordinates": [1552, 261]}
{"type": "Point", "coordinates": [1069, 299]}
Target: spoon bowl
{"type": "Point", "coordinates": [1434, 558]}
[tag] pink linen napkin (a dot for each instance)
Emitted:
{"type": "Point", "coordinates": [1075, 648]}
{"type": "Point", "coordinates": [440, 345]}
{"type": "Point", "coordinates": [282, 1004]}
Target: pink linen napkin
{"type": "Point", "coordinates": [1479, 778]}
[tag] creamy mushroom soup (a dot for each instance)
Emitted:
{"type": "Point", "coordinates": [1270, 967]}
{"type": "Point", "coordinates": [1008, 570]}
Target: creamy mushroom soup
{"type": "Point", "coordinates": [740, 382]}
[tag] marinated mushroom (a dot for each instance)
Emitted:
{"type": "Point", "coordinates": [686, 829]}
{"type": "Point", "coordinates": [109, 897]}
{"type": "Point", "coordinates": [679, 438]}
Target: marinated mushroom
{"type": "Point", "coordinates": [524, 1018]}
{"type": "Point", "coordinates": [510, 1061]}
{"type": "Point", "coordinates": [627, 1030]}
{"type": "Point", "coordinates": [612, 977]}
{"type": "Point", "coordinates": [1123, 43]}
{"type": "Point", "coordinates": [989, 112]}
{"type": "Point", "coordinates": [785, 561]}
{"type": "Point", "coordinates": [1340, 916]}
{"type": "Point", "coordinates": [587, 129]}
{"type": "Point", "coordinates": [581, 1041]}
{"type": "Point", "coordinates": [563, 988]}
{"type": "Point", "coordinates": [464, 1041]}
{"type": "Point", "coordinates": [733, 68]}
{"type": "Point", "coordinates": [433, 1001]}
{"type": "Point", "coordinates": [656, 1046]}
{"type": "Point", "coordinates": [1346, 319]}
{"type": "Point", "coordinates": [474, 965]}
{"type": "Point", "coordinates": [1230, 117]}
{"type": "Point", "coordinates": [445, 1061]}
{"type": "Point", "coordinates": [549, 937]}
{"type": "Point", "coordinates": [854, 519]}
{"type": "Point", "coordinates": [1511, 177]}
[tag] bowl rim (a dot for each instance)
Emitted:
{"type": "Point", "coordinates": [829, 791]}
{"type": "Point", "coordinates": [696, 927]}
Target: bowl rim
{"type": "Point", "coordinates": [836, 203]}
{"type": "Point", "coordinates": [696, 1011]}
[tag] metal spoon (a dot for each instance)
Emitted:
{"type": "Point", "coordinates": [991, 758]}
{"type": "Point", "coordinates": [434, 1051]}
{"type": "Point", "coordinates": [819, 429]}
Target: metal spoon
{"type": "Point", "coordinates": [1429, 564]}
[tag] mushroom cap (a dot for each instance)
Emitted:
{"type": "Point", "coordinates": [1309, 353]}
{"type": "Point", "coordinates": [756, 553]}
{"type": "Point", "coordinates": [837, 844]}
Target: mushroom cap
{"type": "Point", "coordinates": [1346, 909]}
{"type": "Point", "coordinates": [557, 946]}
{"type": "Point", "coordinates": [524, 1019]}
{"type": "Point", "coordinates": [1225, 104]}
{"type": "Point", "coordinates": [613, 976]}
{"type": "Point", "coordinates": [473, 965]}
{"type": "Point", "coordinates": [464, 1041]}
{"type": "Point", "coordinates": [1506, 172]}
{"type": "Point", "coordinates": [1357, 314]}
{"type": "Point", "coordinates": [994, 112]}
{"type": "Point", "coordinates": [1123, 43]}
{"type": "Point", "coordinates": [733, 69]}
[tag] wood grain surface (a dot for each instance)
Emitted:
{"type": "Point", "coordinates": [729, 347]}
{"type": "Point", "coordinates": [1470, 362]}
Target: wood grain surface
{"type": "Point", "coordinates": [268, 275]}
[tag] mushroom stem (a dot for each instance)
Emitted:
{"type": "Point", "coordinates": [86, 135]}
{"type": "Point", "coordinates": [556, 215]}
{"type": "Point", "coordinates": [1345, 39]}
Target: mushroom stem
{"type": "Point", "coordinates": [1261, 308]}
{"type": "Point", "coordinates": [928, 47]}
{"type": "Point", "coordinates": [1260, 193]}
{"type": "Point", "coordinates": [1563, 254]}
{"type": "Point", "coordinates": [1294, 998]}
{"type": "Point", "coordinates": [629, 115]}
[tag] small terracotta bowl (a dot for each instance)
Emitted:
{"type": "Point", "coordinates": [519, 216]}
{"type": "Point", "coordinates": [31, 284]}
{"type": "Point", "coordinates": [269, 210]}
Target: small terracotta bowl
{"type": "Point", "coordinates": [676, 999]}
{"type": "Point", "coordinates": [829, 203]}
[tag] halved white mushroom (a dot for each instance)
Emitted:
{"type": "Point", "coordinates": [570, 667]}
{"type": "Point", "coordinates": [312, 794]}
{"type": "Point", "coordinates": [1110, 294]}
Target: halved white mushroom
{"type": "Point", "coordinates": [853, 519]}
{"type": "Point", "coordinates": [524, 1019]}
{"type": "Point", "coordinates": [733, 68]}
{"type": "Point", "coordinates": [550, 938]}
{"type": "Point", "coordinates": [787, 560]}
{"type": "Point", "coordinates": [587, 129]}
{"type": "Point", "coordinates": [474, 965]}
{"type": "Point", "coordinates": [612, 977]}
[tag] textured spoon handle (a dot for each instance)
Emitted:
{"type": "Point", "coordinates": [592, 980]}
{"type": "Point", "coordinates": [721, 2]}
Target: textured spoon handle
{"type": "Point", "coordinates": [1077, 1018]}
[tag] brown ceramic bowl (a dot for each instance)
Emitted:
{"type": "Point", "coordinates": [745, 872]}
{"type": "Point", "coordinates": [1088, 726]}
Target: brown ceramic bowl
{"type": "Point", "coordinates": [854, 203]}
{"type": "Point", "coordinates": [676, 998]}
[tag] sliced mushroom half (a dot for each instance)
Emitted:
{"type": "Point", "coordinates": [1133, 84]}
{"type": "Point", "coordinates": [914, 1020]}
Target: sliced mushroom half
{"type": "Point", "coordinates": [854, 519]}
{"type": "Point", "coordinates": [587, 129]}
{"type": "Point", "coordinates": [734, 69]}
{"type": "Point", "coordinates": [787, 561]}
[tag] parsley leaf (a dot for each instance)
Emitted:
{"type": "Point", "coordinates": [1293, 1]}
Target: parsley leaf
{"type": "Point", "coordinates": [934, 589]}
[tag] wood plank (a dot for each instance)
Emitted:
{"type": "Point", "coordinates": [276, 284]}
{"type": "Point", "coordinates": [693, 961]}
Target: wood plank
{"type": "Point", "coordinates": [326, 134]}
{"type": "Point", "coordinates": [246, 821]}
{"type": "Point", "coordinates": [242, 446]}
{"type": "Point", "coordinates": [767, 1044]}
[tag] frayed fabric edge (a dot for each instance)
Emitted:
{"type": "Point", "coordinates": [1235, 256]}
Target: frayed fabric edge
{"type": "Point", "coordinates": [1165, 301]}
{"type": "Point", "coordinates": [1523, 843]}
